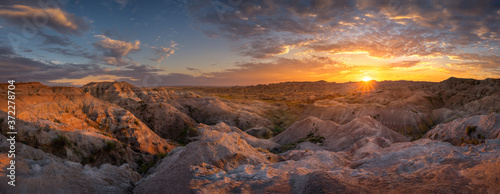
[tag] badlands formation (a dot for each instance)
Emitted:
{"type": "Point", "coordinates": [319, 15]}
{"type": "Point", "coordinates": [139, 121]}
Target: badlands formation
{"type": "Point", "coordinates": [294, 137]}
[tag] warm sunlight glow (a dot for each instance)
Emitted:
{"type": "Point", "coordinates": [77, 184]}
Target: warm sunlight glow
{"type": "Point", "coordinates": [366, 86]}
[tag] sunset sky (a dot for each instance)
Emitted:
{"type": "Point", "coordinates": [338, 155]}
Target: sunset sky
{"type": "Point", "coordinates": [240, 42]}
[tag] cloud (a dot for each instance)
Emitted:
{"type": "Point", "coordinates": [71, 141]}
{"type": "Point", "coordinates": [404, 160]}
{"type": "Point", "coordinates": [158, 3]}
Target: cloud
{"type": "Point", "coordinates": [161, 53]}
{"type": "Point", "coordinates": [55, 40]}
{"type": "Point", "coordinates": [56, 19]}
{"type": "Point", "coordinates": [482, 63]}
{"type": "Point", "coordinates": [26, 69]}
{"type": "Point", "coordinates": [384, 29]}
{"type": "Point", "coordinates": [268, 47]}
{"type": "Point", "coordinates": [404, 64]}
{"type": "Point", "coordinates": [116, 50]}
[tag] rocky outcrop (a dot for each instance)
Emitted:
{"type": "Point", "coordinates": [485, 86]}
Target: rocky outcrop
{"type": "Point", "coordinates": [74, 125]}
{"type": "Point", "coordinates": [170, 113]}
{"type": "Point", "coordinates": [253, 141]}
{"type": "Point", "coordinates": [420, 166]}
{"type": "Point", "coordinates": [91, 139]}
{"type": "Point", "coordinates": [468, 129]}
{"type": "Point", "coordinates": [40, 172]}
{"type": "Point", "coordinates": [214, 152]}
{"type": "Point", "coordinates": [403, 118]}
{"type": "Point", "coordinates": [149, 105]}
{"type": "Point", "coordinates": [334, 136]}
{"type": "Point", "coordinates": [260, 132]}
{"type": "Point", "coordinates": [212, 110]}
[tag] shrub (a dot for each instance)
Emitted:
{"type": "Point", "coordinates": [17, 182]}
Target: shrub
{"type": "Point", "coordinates": [277, 130]}
{"type": "Point", "coordinates": [284, 148]}
{"type": "Point", "coordinates": [312, 138]}
{"type": "Point", "coordinates": [136, 122]}
{"type": "Point", "coordinates": [470, 129]}
{"type": "Point", "coordinates": [61, 141]}
{"type": "Point", "coordinates": [479, 136]}
{"type": "Point", "coordinates": [88, 160]}
{"type": "Point", "coordinates": [144, 168]}
{"type": "Point", "coordinates": [110, 145]}
{"type": "Point", "coordinates": [189, 132]}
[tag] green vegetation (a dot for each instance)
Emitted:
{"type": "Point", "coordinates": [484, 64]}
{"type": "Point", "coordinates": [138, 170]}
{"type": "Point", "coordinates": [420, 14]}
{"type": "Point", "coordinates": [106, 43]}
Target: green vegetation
{"type": "Point", "coordinates": [60, 142]}
{"type": "Point", "coordinates": [470, 141]}
{"type": "Point", "coordinates": [144, 168]}
{"type": "Point", "coordinates": [186, 133]}
{"type": "Point", "coordinates": [88, 160]}
{"type": "Point", "coordinates": [312, 138]}
{"type": "Point", "coordinates": [284, 148]}
{"type": "Point", "coordinates": [470, 129]}
{"type": "Point", "coordinates": [277, 130]}
{"type": "Point", "coordinates": [110, 146]}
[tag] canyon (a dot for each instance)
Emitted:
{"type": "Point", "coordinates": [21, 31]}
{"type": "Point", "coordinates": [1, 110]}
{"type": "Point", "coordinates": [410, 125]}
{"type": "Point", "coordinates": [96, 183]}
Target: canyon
{"type": "Point", "coordinates": [292, 137]}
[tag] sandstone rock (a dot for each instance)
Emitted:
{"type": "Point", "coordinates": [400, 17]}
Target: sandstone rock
{"type": "Point", "coordinates": [224, 151]}
{"type": "Point", "coordinates": [39, 172]}
{"type": "Point", "coordinates": [260, 132]}
{"type": "Point", "coordinates": [475, 127]}
{"type": "Point", "coordinates": [253, 141]}
{"type": "Point", "coordinates": [337, 137]}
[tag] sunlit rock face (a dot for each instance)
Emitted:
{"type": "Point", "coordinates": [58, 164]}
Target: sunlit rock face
{"type": "Point", "coordinates": [74, 125]}
{"type": "Point", "coordinates": [169, 113]}
{"type": "Point", "coordinates": [412, 108]}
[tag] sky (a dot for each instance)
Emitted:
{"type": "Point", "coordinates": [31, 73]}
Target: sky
{"type": "Point", "coordinates": [246, 42]}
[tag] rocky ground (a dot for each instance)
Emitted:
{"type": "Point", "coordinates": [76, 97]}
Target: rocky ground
{"type": "Point", "coordinates": [295, 137]}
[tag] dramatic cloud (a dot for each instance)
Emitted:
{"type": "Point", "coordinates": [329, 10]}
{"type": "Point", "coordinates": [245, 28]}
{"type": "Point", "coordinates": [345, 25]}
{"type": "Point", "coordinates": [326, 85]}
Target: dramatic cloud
{"type": "Point", "coordinates": [268, 47]}
{"type": "Point", "coordinates": [116, 50]}
{"type": "Point", "coordinates": [161, 53]}
{"type": "Point", "coordinates": [404, 64]}
{"type": "Point", "coordinates": [384, 29]}
{"type": "Point", "coordinates": [36, 17]}
{"type": "Point", "coordinates": [268, 41]}
{"type": "Point", "coordinates": [26, 70]}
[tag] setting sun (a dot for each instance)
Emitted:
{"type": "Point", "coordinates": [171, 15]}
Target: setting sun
{"type": "Point", "coordinates": [366, 79]}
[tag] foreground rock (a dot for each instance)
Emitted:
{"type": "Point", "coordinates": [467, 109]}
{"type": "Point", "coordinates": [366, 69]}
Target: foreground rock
{"type": "Point", "coordinates": [74, 125]}
{"type": "Point", "coordinates": [221, 162]}
{"type": "Point", "coordinates": [40, 172]}
{"type": "Point", "coordinates": [214, 152]}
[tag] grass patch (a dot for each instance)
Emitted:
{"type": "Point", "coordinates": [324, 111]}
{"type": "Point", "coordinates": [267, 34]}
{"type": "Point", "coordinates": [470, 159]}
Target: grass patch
{"type": "Point", "coordinates": [284, 148]}
{"type": "Point", "coordinates": [470, 129]}
{"type": "Point", "coordinates": [88, 160]}
{"type": "Point", "coordinates": [60, 142]}
{"type": "Point", "coordinates": [277, 130]}
{"type": "Point", "coordinates": [110, 146]}
{"type": "Point", "coordinates": [312, 138]}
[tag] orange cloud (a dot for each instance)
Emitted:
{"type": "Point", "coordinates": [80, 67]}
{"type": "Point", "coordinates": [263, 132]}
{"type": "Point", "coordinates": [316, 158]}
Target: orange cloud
{"type": "Point", "coordinates": [55, 18]}
{"type": "Point", "coordinates": [115, 50]}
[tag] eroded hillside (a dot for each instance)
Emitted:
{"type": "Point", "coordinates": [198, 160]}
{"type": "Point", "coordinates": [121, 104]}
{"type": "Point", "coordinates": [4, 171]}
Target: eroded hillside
{"type": "Point", "coordinates": [294, 137]}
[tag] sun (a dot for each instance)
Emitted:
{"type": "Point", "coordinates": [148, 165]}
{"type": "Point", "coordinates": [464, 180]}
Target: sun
{"type": "Point", "coordinates": [367, 79]}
